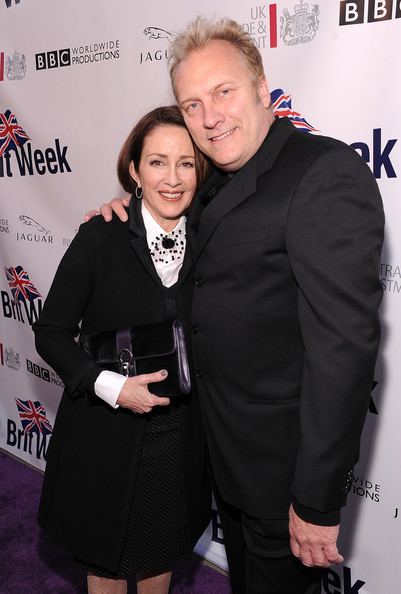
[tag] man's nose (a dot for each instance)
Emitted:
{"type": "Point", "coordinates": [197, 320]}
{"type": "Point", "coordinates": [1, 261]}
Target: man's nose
{"type": "Point", "coordinates": [211, 116]}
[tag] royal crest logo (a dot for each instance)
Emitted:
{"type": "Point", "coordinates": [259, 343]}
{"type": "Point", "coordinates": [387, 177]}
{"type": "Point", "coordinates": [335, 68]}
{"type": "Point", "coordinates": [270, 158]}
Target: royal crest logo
{"type": "Point", "coordinates": [157, 33]}
{"type": "Point", "coordinates": [301, 26]}
{"type": "Point", "coordinates": [16, 66]}
{"type": "Point", "coordinates": [12, 358]}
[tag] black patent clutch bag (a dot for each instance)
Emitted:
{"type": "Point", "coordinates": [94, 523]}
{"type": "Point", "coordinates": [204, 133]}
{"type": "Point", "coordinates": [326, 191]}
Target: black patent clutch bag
{"type": "Point", "coordinates": [144, 349]}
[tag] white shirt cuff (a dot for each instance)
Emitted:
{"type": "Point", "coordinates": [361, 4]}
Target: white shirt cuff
{"type": "Point", "coordinates": [108, 386]}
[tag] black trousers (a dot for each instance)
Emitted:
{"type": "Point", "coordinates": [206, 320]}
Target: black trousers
{"type": "Point", "coordinates": [259, 555]}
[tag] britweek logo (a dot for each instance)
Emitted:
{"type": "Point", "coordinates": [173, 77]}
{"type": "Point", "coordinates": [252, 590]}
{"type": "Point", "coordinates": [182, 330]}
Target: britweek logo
{"type": "Point", "coordinates": [390, 275]}
{"type": "Point", "coordinates": [155, 34]}
{"type": "Point", "coordinates": [34, 232]}
{"type": "Point", "coordinates": [24, 304]}
{"type": "Point", "coordinates": [377, 154]}
{"type": "Point", "coordinates": [99, 51]}
{"type": "Point", "coordinates": [297, 25]}
{"type": "Point", "coordinates": [36, 429]}
{"type": "Point", "coordinates": [334, 583]}
{"type": "Point", "coordinates": [12, 135]}
{"type": "Point", "coordinates": [282, 107]}
{"type": "Point", "coordinates": [217, 530]}
{"type": "Point", "coordinates": [23, 160]}
{"type": "Point", "coordinates": [355, 12]}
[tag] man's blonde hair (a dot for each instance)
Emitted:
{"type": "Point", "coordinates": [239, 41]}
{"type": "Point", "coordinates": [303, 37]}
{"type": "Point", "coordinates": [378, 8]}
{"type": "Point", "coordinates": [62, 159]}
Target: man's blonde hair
{"type": "Point", "coordinates": [201, 31]}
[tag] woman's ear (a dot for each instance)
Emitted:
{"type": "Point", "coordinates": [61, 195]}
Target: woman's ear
{"type": "Point", "coordinates": [134, 174]}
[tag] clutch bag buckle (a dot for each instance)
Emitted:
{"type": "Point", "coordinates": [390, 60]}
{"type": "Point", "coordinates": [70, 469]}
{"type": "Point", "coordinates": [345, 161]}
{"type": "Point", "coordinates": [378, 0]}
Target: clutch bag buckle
{"type": "Point", "coordinates": [127, 363]}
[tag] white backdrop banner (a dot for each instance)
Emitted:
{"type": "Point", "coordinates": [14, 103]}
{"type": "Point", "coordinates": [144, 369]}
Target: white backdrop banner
{"type": "Point", "coordinates": [74, 78]}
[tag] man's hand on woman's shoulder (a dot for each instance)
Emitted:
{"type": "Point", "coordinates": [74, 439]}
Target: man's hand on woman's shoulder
{"type": "Point", "coordinates": [106, 210]}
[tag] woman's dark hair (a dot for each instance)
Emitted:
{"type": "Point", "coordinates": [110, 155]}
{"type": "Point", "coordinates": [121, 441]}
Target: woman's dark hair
{"type": "Point", "coordinates": [132, 148]}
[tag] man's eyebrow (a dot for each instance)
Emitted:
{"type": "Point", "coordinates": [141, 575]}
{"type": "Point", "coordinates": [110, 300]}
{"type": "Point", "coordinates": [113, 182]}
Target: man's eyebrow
{"type": "Point", "coordinates": [216, 88]}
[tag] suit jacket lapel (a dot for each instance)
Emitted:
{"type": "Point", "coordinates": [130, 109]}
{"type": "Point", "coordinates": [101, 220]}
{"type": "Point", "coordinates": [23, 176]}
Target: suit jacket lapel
{"type": "Point", "coordinates": [239, 188]}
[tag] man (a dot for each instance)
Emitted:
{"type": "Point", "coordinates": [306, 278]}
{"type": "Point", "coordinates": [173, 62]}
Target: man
{"type": "Point", "coordinates": [286, 237]}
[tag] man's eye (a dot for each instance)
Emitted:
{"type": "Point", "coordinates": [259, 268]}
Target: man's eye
{"type": "Point", "coordinates": [192, 107]}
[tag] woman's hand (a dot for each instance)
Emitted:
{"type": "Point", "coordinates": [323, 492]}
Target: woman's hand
{"type": "Point", "coordinates": [135, 394]}
{"type": "Point", "coordinates": [107, 209]}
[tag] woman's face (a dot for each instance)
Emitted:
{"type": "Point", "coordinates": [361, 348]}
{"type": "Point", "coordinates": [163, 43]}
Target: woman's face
{"type": "Point", "coordinates": [166, 174]}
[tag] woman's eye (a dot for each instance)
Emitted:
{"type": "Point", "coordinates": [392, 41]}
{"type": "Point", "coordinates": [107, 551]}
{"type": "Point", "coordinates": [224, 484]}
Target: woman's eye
{"type": "Point", "coordinates": [187, 164]}
{"type": "Point", "coordinates": [156, 162]}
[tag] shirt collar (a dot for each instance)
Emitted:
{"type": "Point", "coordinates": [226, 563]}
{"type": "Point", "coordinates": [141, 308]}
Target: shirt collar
{"type": "Point", "coordinates": [153, 229]}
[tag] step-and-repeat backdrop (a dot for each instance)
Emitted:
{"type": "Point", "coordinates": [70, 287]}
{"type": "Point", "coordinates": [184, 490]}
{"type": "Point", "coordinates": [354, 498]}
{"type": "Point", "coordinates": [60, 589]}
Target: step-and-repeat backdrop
{"type": "Point", "coordinates": [74, 78]}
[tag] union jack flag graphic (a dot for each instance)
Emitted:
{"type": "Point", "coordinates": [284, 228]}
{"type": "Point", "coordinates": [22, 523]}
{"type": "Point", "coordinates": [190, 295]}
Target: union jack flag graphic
{"type": "Point", "coordinates": [21, 287]}
{"type": "Point", "coordinates": [12, 134]}
{"type": "Point", "coordinates": [33, 417]}
{"type": "Point", "coordinates": [282, 108]}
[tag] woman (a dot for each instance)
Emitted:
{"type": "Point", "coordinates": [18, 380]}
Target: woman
{"type": "Point", "coordinates": [124, 488]}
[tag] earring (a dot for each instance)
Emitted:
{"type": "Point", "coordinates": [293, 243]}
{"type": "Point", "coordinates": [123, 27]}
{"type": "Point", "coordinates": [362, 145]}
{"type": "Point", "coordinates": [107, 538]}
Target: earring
{"type": "Point", "coordinates": [138, 192]}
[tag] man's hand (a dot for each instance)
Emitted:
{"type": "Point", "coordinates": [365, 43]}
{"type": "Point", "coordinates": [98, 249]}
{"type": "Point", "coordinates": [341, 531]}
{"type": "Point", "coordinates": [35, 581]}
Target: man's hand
{"type": "Point", "coordinates": [107, 209]}
{"type": "Point", "coordinates": [313, 545]}
{"type": "Point", "coordinates": [136, 396]}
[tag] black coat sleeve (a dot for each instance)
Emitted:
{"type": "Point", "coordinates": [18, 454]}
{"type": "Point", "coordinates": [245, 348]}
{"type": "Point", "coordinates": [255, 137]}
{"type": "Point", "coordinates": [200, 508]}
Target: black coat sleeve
{"type": "Point", "coordinates": [64, 308]}
{"type": "Point", "coordinates": [334, 236]}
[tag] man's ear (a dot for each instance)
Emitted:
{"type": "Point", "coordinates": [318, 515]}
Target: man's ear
{"type": "Point", "coordinates": [263, 90]}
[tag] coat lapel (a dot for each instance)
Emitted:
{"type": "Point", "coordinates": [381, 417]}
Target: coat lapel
{"type": "Point", "coordinates": [138, 238]}
{"type": "Point", "coordinates": [140, 246]}
{"type": "Point", "coordinates": [242, 185]}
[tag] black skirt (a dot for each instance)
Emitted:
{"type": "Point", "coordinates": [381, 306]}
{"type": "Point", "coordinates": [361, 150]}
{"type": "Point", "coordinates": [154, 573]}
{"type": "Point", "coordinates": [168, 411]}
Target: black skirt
{"type": "Point", "coordinates": [157, 529]}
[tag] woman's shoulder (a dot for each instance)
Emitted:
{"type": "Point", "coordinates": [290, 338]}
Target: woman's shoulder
{"type": "Point", "coordinates": [98, 226]}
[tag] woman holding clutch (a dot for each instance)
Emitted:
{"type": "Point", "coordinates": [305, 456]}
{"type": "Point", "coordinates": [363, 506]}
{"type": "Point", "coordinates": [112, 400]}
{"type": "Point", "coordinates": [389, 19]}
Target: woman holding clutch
{"type": "Point", "coordinates": [124, 489]}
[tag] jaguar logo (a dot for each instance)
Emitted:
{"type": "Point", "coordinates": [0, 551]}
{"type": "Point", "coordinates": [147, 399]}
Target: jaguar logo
{"type": "Point", "coordinates": [157, 33]}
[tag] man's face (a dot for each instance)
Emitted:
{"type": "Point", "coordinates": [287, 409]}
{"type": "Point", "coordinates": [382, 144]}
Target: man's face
{"type": "Point", "coordinates": [223, 105]}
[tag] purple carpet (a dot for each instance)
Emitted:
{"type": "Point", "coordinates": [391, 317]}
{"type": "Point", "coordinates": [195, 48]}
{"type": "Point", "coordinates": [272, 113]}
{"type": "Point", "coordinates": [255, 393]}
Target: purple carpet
{"type": "Point", "coordinates": [32, 564]}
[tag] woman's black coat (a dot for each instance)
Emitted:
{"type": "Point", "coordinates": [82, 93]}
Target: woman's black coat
{"type": "Point", "coordinates": [107, 280]}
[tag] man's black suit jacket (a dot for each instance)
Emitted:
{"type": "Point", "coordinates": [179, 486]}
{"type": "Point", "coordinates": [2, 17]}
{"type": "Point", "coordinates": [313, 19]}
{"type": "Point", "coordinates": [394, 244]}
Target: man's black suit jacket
{"type": "Point", "coordinates": [285, 323]}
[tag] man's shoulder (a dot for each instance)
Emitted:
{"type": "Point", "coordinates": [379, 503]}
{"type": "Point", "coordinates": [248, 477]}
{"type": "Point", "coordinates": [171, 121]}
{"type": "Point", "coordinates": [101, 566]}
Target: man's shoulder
{"type": "Point", "coordinates": [303, 149]}
{"type": "Point", "coordinates": [317, 142]}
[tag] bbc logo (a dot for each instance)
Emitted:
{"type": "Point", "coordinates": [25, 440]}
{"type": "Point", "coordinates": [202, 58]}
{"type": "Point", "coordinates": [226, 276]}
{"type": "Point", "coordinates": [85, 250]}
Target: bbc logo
{"type": "Point", "coordinates": [53, 59]}
{"type": "Point", "coordinates": [40, 372]}
{"type": "Point", "coordinates": [352, 12]}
